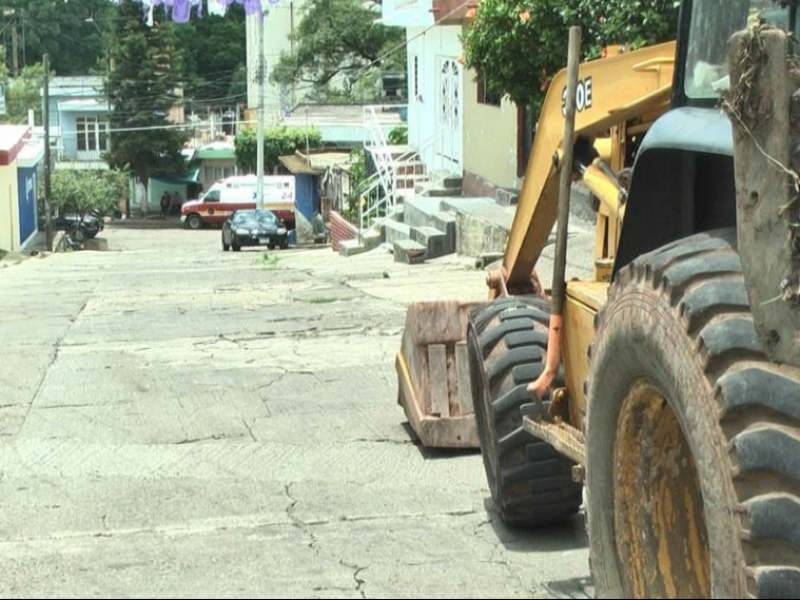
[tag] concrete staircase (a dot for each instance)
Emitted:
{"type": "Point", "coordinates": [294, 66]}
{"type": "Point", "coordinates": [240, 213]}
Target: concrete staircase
{"type": "Point", "coordinates": [438, 223]}
{"type": "Point", "coordinates": [418, 228]}
{"type": "Point", "coordinates": [416, 237]}
{"type": "Point", "coordinates": [433, 225]}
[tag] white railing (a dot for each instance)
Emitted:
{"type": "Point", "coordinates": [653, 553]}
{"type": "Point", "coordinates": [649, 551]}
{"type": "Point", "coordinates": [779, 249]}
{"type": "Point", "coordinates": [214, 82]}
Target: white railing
{"type": "Point", "coordinates": [367, 210]}
{"type": "Point", "coordinates": [388, 169]}
{"type": "Point", "coordinates": [378, 146]}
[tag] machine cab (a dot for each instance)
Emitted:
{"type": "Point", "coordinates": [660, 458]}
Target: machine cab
{"type": "Point", "coordinates": [683, 175]}
{"type": "Point", "coordinates": [704, 33]}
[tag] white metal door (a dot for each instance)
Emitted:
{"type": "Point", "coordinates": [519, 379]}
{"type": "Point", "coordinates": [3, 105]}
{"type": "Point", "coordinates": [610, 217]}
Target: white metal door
{"type": "Point", "coordinates": [449, 113]}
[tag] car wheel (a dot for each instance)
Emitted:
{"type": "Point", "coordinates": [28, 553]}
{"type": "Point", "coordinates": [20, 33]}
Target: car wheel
{"type": "Point", "coordinates": [271, 246]}
{"type": "Point", "coordinates": [194, 221]}
{"type": "Point", "coordinates": [284, 244]}
{"type": "Point", "coordinates": [78, 234]}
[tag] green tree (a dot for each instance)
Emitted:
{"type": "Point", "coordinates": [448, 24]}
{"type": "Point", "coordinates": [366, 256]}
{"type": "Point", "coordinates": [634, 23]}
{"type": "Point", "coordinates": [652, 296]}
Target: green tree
{"type": "Point", "coordinates": [238, 87]}
{"type": "Point", "coordinates": [519, 45]}
{"type": "Point", "coordinates": [24, 93]}
{"type": "Point", "coordinates": [141, 89]}
{"type": "Point", "coordinates": [70, 32]}
{"type": "Point", "coordinates": [278, 141]}
{"type": "Point", "coordinates": [339, 37]}
{"type": "Point", "coordinates": [215, 53]}
{"type": "Point", "coordinates": [79, 191]}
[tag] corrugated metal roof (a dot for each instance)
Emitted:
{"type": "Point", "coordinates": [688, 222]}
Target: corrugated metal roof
{"type": "Point", "coordinates": [219, 153]}
{"type": "Point", "coordinates": [299, 164]}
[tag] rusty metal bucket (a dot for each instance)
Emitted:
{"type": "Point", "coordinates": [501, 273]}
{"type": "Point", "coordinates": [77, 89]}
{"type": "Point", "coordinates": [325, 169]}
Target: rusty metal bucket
{"type": "Point", "coordinates": [433, 374]}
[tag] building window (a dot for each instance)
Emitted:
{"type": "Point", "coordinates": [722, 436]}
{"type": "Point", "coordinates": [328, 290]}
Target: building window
{"type": "Point", "coordinates": [486, 97]}
{"type": "Point", "coordinates": [92, 134]}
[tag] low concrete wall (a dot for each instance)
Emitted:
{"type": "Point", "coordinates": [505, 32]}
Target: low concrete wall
{"type": "Point", "coordinates": [341, 229]}
{"type": "Point", "coordinates": [476, 235]}
{"type": "Point", "coordinates": [482, 225]}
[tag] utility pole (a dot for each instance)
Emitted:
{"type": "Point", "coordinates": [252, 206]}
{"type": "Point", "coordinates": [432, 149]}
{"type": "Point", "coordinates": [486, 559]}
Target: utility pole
{"type": "Point", "coordinates": [48, 217]}
{"type": "Point", "coordinates": [262, 80]}
{"type": "Point", "coordinates": [14, 45]}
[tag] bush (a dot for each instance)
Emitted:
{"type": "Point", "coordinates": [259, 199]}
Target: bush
{"type": "Point", "coordinates": [519, 45]}
{"type": "Point", "coordinates": [278, 141]}
{"type": "Point", "coordinates": [79, 191]}
{"type": "Point", "coordinates": [399, 135]}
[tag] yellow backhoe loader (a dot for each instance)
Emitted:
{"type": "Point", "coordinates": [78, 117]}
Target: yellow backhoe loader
{"type": "Point", "coordinates": [669, 383]}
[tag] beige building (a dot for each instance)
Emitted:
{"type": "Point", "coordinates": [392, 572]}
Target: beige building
{"type": "Point", "coordinates": [491, 140]}
{"type": "Point", "coordinates": [279, 23]}
{"type": "Point", "coordinates": [19, 160]}
{"type": "Point", "coordinates": [452, 123]}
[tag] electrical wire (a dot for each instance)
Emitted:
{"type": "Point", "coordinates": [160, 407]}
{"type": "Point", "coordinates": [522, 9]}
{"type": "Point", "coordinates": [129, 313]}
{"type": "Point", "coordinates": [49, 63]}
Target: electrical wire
{"type": "Point", "coordinates": [358, 75]}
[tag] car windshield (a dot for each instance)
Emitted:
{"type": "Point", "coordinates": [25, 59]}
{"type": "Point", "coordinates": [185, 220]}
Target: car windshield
{"type": "Point", "coordinates": [262, 217]}
{"type": "Point", "coordinates": [713, 22]}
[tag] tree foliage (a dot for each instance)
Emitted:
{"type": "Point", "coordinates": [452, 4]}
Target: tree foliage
{"type": "Point", "coordinates": [214, 50]}
{"type": "Point", "coordinates": [23, 93]}
{"type": "Point", "coordinates": [70, 32]}
{"type": "Point", "coordinates": [339, 37]}
{"type": "Point", "coordinates": [278, 141]}
{"type": "Point", "coordinates": [79, 191]}
{"type": "Point", "coordinates": [518, 45]}
{"type": "Point", "coordinates": [141, 89]}
{"type": "Point", "coordinates": [209, 56]}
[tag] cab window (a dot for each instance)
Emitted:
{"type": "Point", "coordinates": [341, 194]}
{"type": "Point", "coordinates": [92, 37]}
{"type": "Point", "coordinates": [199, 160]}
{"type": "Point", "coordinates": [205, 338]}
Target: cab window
{"type": "Point", "coordinates": [211, 196]}
{"type": "Point", "coordinates": [713, 22]}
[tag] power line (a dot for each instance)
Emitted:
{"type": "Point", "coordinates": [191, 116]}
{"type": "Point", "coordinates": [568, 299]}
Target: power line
{"type": "Point", "coordinates": [130, 62]}
{"type": "Point", "coordinates": [193, 126]}
{"type": "Point", "coordinates": [359, 73]}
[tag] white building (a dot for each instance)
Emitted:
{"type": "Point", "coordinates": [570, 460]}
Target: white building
{"type": "Point", "coordinates": [435, 80]}
{"type": "Point", "coordinates": [279, 23]}
{"type": "Point", "coordinates": [454, 125]}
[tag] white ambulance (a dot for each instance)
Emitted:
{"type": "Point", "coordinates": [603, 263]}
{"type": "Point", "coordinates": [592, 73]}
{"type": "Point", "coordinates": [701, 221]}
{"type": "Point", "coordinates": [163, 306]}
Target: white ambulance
{"type": "Point", "coordinates": [240, 192]}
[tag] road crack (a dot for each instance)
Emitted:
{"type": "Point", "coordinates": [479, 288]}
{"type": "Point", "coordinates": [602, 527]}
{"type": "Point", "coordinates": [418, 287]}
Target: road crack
{"type": "Point", "coordinates": [357, 570]}
{"type": "Point", "coordinates": [59, 343]}
{"type": "Point", "coordinates": [297, 522]}
{"type": "Point", "coordinates": [249, 429]}
{"type": "Point", "coordinates": [209, 438]}
{"type": "Point", "coordinates": [385, 441]}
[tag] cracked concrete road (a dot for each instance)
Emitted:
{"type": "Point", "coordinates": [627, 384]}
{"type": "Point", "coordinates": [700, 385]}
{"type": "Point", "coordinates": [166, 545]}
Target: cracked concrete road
{"type": "Point", "coordinates": [181, 422]}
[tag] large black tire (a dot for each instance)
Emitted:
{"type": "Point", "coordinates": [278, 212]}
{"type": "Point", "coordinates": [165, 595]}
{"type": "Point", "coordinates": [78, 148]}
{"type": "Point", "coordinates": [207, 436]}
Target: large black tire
{"type": "Point", "coordinates": [531, 483]}
{"type": "Point", "coordinates": [693, 436]}
{"type": "Point", "coordinates": [194, 221]}
{"type": "Point", "coordinates": [78, 234]}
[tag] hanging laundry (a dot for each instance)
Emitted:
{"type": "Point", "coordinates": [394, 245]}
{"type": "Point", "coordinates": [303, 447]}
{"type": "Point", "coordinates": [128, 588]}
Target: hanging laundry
{"type": "Point", "coordinates": [252, 7]}
{"type": "Point", "coordinates": [181, 11]}
{"type": "Point", "coordinates": [218, 7]}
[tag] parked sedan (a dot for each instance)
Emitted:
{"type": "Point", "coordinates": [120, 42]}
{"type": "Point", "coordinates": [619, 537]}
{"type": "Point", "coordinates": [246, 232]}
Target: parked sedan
{"type": "Point", "coordinates": [254, 227]}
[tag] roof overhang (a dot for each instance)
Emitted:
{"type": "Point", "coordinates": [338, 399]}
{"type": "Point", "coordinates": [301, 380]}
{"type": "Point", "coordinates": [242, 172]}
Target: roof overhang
{"type": "Point", "coordinates": [12, 140]}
